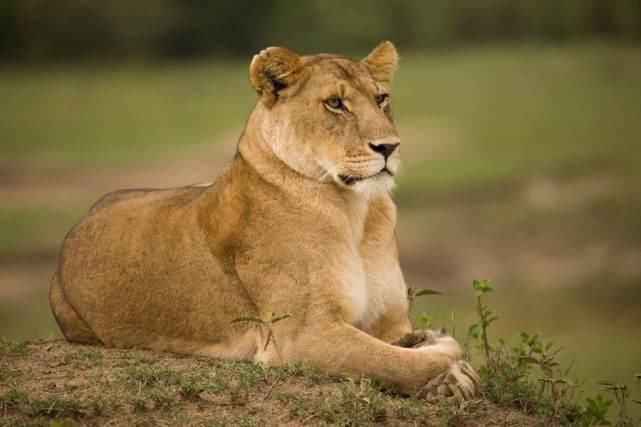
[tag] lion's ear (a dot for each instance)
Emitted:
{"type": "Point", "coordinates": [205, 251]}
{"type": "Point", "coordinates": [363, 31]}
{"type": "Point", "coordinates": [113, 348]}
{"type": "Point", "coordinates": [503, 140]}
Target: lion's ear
{"type": "Point", "coordinates": [273, 70]}
{"type": "Point", "coordinates": [382, 62]}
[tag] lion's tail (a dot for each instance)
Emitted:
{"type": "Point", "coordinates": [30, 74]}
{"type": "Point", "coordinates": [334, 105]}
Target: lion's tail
{"type": "Point", "coordinates": [71, 324]}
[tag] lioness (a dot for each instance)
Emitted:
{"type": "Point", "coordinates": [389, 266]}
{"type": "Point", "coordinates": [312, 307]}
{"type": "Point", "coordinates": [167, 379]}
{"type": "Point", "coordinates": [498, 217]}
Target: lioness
{"type": "Point", "coordinates": [300, 222]}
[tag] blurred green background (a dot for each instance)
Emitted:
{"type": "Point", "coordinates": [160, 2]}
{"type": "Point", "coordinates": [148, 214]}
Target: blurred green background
{"type": "Point", "coordinates": [520, 120]}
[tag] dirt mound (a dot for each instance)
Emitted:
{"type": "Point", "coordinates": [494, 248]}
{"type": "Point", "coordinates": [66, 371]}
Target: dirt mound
{"type": "Point", "coordinates": [52, 382]}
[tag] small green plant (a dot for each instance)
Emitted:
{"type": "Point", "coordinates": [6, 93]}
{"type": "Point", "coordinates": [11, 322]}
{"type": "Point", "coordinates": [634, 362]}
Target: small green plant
{"type": "Point", "coordinates": [13, 348]}
{"type": "Point", "coordinates": [5, 372]}
{"type": "Point", "coordinates": [192, 385]}
{"type": "Point", "coordinates": [151, 385]}
{"type": "Point", "coordinates": [560, 394]}
{"type": "Point", "coordinates": [12, 399]}
{"type": "Point", "coordinates": [486, 317]}
{"type": "Point", "coordinates": [427, 320]}
{"type": "Point", "coordinates": [250, 375]}
{"type": "Point", "coordinates": [57, 407]}
{"type": "Point", "coordinates": [413, 293]}
{"type": "Point", "coordinates": [453, 319]}
{"type": "Point", "coordinates": [359, 403]}
{"type": "Point", "coordinates": [508, 379]}
{"type": "Point", "coordinates": [534, 351]}
{"type": "Point", "coordinates": [86, 357]}
{"type": "Point", "coordinates": [309, 374]}
{"type": "Point", "coordinates": [596, 410]}
{"type": "Point", "coordinates": [297, 407]}
{"type": "Point", "coordinates": [148, 375]}
{"type": "Point", "coordinates": [621, 395]}
{"type": "Point", "coordinates": [267, 322]}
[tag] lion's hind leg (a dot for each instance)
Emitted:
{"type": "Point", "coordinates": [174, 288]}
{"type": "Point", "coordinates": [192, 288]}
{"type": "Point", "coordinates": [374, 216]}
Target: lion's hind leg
{"type": "Point", "coordinates": [71, 324]}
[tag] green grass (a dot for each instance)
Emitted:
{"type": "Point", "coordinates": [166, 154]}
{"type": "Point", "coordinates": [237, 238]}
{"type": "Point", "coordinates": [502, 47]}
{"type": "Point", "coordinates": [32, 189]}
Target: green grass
{"type": "Point", "coordinates": [90, 115]}
{"type": "Point", "coordinates": [25, 228]}
{"type": "Point", "coordinates": [519, 110]}
{"type": "Point", "coordinates": [524, 111]}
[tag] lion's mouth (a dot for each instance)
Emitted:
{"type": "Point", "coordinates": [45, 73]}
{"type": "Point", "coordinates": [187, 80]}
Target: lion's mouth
{"type": "Point", "coordinates": [350, 179]}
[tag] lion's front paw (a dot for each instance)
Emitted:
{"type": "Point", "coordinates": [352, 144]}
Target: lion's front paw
{"type": "Point", "coordinates": [459, 381]}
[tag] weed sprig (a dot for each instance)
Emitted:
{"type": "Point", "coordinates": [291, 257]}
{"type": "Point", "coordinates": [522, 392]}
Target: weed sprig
{"type": "Point", "coordinates": [267, 322]}
{"type": "Point", "coordinates": [508, 376]}
{"type": "Point", "coordinates": [528, 375]}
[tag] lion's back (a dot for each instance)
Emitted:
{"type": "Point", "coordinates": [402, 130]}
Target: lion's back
{"type": "Point", "coordinates": [147, 195]}
{"type": "Point", "coordinates": [144, 219]}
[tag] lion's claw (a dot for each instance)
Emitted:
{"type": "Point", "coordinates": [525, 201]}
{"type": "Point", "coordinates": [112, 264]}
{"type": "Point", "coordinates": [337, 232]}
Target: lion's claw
{"type": "Point", "coordinates": [460, 382]}
{"type": "Point", "coordinates": [467, 370]}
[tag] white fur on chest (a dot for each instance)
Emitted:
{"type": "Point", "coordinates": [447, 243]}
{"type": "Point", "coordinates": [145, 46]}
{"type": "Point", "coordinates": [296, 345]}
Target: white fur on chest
{"type": "Point", "coordinates": [375, 285]}
{"type": "Point", "coordinates": [356, 291]}
{"type": "Point", "coordinates": [357, 207]}
{"type": "Point", "coordinates": [386, 291]}
{"type": "Point", "coordinates": [374, 289]}
{"type": "Point", "coordinates": [356, 281]}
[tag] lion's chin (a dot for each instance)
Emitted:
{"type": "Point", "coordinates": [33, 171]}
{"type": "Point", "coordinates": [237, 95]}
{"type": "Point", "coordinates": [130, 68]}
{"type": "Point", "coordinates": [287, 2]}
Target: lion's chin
{"type": "Point", "coordinates": [375, 186]}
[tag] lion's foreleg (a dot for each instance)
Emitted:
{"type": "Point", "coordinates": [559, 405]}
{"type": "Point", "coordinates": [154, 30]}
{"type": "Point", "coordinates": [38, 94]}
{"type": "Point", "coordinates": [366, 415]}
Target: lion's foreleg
{"type": "Point", "coordinates": [343, 349]}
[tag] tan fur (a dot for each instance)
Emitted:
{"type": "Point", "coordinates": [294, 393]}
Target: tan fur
{"type": "Point", "coordinates": [280, 231]}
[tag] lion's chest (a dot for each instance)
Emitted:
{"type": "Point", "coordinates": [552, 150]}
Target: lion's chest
{"type": "Point", "coordinates": [386, 292]}
{"type": "Point", "coordinates": [374, 288]}
{"type": "Point", "coordinates": [374, 283]}
{"type": "Point", "coordinates": [372, 293]}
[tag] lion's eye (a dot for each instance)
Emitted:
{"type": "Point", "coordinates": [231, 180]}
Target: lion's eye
{"type": "Point", "coordinates": [335, 103]}
{"type": "Point", "coordinates": [380, 99]}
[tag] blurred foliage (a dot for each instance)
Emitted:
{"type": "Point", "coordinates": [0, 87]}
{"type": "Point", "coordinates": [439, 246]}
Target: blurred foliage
{"type": "Point", "coordinates": [25, 228]}
{"type": "Point", "coordinates": [41, 30]}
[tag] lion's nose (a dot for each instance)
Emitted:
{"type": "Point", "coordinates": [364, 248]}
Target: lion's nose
{"type": "Point", "coordinates": [385, 149]}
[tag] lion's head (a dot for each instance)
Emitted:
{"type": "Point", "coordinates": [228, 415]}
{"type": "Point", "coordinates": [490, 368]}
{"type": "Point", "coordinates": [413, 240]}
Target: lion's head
{"type": "Point", "coordinates": [329, 117]}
